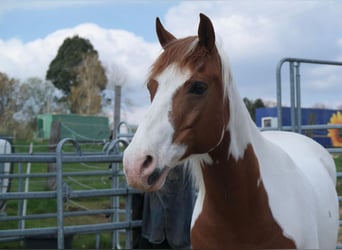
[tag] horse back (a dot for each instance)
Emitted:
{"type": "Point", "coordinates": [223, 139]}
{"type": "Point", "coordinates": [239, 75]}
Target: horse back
{"type": "Point", "coordinates": [309, 155]}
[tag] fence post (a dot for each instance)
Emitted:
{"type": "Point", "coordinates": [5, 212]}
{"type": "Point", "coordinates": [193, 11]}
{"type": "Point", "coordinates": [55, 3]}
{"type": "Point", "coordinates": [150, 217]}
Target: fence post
{"type": "Point", "coordinates": [55, 132]}
{"type": "Point", "coordinates": [114, 147]}
{"type": "Point", "coordinates": [298, 98]}
{"type": "Point", "coordinates": [59, 180]}
{"type": "Point", "coordinates": [20, 202]}
{"type": "Point", "coordinates": [59, 190]}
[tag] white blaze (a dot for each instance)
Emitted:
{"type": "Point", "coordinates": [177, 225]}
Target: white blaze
{"type": "Point", "coordinates": [154, 134]}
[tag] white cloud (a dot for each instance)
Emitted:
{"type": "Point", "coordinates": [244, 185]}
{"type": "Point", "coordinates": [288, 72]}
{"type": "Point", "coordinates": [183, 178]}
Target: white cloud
{"type": "Point", "coordinates": [242, 34]}
{"type": "Point", "coordinates": [251, 29]}
{"type": "Point", "coordinates": [255, 34]}
{"type": "Point", "coordinates": [22, 61]}
{"type": "Point", "coordinates": [132, 53]}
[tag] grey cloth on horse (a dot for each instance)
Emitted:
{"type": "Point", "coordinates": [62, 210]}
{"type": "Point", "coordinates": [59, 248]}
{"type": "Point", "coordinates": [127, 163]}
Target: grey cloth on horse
{"type": "Point", "coordinates": [167, 212]}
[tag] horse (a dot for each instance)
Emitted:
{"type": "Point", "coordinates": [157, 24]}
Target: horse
{"type": "Point", "coordinates": [271, 189]}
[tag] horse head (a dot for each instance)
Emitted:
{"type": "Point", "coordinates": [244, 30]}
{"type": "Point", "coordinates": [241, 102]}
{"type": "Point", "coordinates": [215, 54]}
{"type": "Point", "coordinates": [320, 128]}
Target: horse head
{"type": "Point", "coordinates": [188, 114]}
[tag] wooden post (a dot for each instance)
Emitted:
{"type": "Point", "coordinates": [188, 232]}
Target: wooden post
{"type": "Point", "coordinates": [55, 133]}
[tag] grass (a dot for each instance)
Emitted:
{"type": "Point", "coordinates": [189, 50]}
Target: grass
{"type": "Point", "coordinates": [338, 162]}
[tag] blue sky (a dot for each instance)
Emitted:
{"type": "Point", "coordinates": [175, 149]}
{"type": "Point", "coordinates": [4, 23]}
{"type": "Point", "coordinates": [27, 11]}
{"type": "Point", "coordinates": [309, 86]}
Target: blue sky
{"type": "Point", "coordinates": [28, 23]}
{"type": "Point", "coordinates": [255, 34]}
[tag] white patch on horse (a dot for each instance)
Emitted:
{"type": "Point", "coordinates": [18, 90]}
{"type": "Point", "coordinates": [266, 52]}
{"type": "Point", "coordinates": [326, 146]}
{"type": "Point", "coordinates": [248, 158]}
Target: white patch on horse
{"type": "Point", "coordinates": [238, 112]}
{"type": "Point", "coordinates": [258, 182]}
{"type": "Point", "coordinates": [286, 174]}
{"type": "Point", "coordinates": [154, 135]}
{"type": "Point", "coordinates": [196, 162]}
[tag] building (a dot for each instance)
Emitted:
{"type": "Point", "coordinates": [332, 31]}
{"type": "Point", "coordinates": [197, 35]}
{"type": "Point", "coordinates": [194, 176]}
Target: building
{"type": "Point", "coordinates": [79, 127]}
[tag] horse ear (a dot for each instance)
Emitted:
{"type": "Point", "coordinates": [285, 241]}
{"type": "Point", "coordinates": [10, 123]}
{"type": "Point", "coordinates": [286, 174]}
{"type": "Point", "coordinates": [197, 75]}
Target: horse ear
{"type": "Point", "coordinates": [164, 36]}
{"type": "Point", "coordinates": [206, 33]}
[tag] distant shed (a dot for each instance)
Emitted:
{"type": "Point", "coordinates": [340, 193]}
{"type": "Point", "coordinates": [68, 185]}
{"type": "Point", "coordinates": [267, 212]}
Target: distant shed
{"type": "Point", "coordinates": [79, 127]}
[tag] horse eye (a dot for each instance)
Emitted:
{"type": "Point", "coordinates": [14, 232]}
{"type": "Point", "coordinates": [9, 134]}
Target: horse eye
{"type": "Point", "coordinates": [197, 88]}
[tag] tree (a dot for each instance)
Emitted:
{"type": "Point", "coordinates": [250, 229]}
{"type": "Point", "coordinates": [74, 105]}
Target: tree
{"type": "Point", "coordinates": [35, 96]}
{"type": "Point", "coordinates": [253, 105]}
{"type": "Point", "coordinates": [6, 90]}
{"type": "Point", "coordinates": [61, 69]}
{"type": "Point", "coordinates": [7, 102]}
{"type": "Point", "coordinates": [77, 71]}
{"type": "Point", "coordinates": [85, 97]}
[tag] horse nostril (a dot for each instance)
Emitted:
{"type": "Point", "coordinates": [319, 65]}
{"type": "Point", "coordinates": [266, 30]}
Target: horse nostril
{"type": "Point", "coordinates": [147, 161]}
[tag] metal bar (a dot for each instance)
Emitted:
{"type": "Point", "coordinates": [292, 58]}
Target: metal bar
{"type": "Point", "coordinates": [73, 194]}
{"type": "Point", "coordinates": [322, 126]}
{"type": "Point", "coordinates": [334, 150]}
{"type": "Point", "coordinates": [66, 158]}
{"type": "Point", "coordinates": [65, 174]}
{"type": "Point", "coordinates": [309, 127]}
{"type": "Point", "coordinates": [53, 215]}
{"type": "Point", "coordinates": [59, 189]}
{"type": "Point", "coordinates": [81, 229]}
{"type": "Point", "coordinates": [30, 195]}
{"type": "Point", "coordinates": [298, 98]}
{"type": "Point", "coordinates": [20, 202]}
{"type": "Point", "coordinates": [129, 237]}
{"type": "Point", "coordinates": [279, 94]}
{"type": "Point", "coordinates": [311, 61]}
{"type": "Point", "coordinates": [292, 97]}
{"type": "Point", "coordinates": [115, 205]}
{"type": "Point", "coordinates": [114, 147]}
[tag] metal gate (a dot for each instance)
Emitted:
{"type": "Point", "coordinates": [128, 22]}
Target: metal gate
{"type": "Point", "coordinates": [107, 168]}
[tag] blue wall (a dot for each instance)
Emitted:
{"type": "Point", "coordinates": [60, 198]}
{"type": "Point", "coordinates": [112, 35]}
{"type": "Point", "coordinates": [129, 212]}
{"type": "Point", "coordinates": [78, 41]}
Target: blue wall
{"type": "Point", "coordinates": [310, 116]}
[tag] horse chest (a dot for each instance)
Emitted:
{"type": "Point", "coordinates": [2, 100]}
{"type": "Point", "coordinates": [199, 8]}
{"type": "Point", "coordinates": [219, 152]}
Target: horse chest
{"type": "Point", "coordinates": [235, 211]}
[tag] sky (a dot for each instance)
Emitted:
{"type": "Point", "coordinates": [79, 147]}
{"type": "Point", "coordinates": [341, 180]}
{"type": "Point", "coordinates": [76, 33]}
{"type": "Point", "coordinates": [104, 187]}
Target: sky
{"type": "Point", "coordinates": [255, 34]}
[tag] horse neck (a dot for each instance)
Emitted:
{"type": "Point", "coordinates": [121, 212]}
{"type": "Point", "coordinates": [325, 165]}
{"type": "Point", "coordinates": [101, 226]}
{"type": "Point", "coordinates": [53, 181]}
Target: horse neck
{"type": "Point", "coordinates": [242, 128]}
{"type": "Point", "coordinates": [233, 163]}
{"type": "Point", "coordinates": [233, 203]}
{"type": "Point", "coordinates": [236, 179]}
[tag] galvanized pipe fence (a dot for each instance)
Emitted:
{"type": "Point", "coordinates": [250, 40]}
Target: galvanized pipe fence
{"type": "Point", "coordinates": [119, 222]}
{"type": "Point", "coordinates": [295, 88]}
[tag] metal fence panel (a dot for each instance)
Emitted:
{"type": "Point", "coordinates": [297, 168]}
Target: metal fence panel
{"type": "Point", "coordinates": [63, 193]}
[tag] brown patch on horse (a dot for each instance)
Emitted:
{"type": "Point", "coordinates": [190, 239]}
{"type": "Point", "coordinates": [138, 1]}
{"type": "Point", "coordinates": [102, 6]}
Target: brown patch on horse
{"type": "Point", "coordinates": [236, 212]}
{"type": "Point", "coordinates": [152, 86]}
